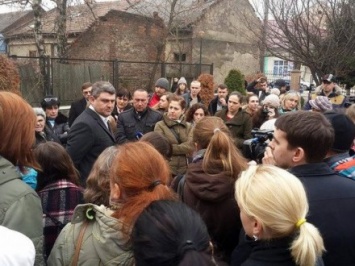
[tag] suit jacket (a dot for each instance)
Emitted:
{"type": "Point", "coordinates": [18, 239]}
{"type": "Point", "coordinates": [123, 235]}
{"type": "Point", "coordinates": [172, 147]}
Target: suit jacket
{"type": "Point", "coordinates": [88, 137]}
{"type": "Point", "coordinates": [76, 109]}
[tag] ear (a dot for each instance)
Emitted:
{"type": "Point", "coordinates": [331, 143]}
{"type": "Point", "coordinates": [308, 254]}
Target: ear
{"type": "Point", "coordinates": [257, 228]}
{"type": "Point", "coordinates": [115, 192]}
{"type": "Point", "coordinates": [196, 146]}
{"type": "Point", "coordinates": [299, 155]}
{"type": "Point", "coordinates": [91, 99]}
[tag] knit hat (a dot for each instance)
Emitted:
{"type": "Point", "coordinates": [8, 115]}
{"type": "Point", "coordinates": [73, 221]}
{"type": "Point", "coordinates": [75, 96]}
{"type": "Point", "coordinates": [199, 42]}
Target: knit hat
{"type": "Point", "coordinates": [162, 83]}
{"type": "Point", "coordinates": [344, 131]}
{"type": "Point", "coordinates": [321, 103]}
{"type": "Point", "coordinates": [182, 80]}
{"type": "Point", "coordinates": [272, 100]}
{"type": "Point", "coordinates": [275, 91]}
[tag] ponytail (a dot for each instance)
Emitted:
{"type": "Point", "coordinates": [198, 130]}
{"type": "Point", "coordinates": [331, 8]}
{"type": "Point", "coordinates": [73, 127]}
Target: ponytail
{"type": "Point", "coordinates": [221, 153]}
{"type": "Point", "coordinates": [307, 246]}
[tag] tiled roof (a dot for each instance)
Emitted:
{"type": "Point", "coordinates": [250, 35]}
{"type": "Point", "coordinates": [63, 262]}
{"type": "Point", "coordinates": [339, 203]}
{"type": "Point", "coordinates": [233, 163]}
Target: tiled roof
{"type": "Point", "coordinates": [186, 12]}
{"type": "Point", "coordinates": [6, 19]}
{"type": "Point", "coordinates": [79, 18]}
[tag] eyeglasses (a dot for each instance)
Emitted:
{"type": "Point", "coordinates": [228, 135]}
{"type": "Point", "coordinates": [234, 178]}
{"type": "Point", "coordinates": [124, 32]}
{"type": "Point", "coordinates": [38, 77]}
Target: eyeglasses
{"type": "Point", "coordinates": [53, 99]}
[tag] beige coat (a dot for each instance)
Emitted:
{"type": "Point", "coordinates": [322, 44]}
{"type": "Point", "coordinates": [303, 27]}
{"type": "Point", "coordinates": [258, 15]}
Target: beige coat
{"type": "Point", "coordinates": [103, 242]}
{"type": "Point", "coordinates": [182, 148]}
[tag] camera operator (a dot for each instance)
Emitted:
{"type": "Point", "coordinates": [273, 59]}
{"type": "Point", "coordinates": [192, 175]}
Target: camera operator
{"type": "Point", "coordinates": [263, 124]}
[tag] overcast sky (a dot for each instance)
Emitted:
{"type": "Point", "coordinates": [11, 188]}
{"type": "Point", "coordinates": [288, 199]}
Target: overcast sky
{"type": "Point", "coordinates": [48, 5]}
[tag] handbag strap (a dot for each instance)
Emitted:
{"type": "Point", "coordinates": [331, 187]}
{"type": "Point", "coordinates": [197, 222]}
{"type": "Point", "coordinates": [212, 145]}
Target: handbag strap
{"type": "Point", "coordinates": [79, 241]}
{"type": "Point", "coordinates": [175, 135]}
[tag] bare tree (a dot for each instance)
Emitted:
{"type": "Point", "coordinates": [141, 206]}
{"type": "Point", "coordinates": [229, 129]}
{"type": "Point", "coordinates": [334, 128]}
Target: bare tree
{"type": "Point", "coordinates": [177, 15]}
{"type": "Point", "coordinates": [319, 34]}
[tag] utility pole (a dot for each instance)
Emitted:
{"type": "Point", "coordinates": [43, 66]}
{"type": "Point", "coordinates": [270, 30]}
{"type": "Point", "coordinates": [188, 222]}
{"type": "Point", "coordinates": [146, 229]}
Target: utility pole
{"type": "Point", "coordinates": [263, 37]}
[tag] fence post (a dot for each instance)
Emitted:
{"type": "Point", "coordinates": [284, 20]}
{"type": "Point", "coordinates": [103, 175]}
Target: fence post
{"type": "Point", "coordinates": [211, 69]}
{"type": "Point", "coordinates": [114, 73]}
{"type": "Point", "coordinates": [163, 69]}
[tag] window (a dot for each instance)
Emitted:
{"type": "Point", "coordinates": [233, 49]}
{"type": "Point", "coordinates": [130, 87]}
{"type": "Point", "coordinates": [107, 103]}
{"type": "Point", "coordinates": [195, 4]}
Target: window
{"type": "Point", "coordinates": [280, 68]}
{"type": "Point", "coordinates": [178, 57]}
{"type": "Point", "coordinates": [32, 53]}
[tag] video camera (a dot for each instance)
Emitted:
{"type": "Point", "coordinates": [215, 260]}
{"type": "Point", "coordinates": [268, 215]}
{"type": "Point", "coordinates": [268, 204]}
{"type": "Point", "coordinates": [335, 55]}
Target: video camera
{"type": "Point", "coordinates": [254, 148]}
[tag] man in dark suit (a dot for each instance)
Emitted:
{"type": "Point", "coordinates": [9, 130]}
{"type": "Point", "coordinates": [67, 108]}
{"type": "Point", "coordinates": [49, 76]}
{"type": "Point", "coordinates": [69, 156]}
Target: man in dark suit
{"type": "Point", "coordinates": [90, 133]}
{"type": "Point", "coordinates": [79, 106]}
{"type": "Point", "coordinates": [301, 141]}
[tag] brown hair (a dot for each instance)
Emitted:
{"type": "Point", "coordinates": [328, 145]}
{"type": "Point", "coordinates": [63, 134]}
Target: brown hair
{"type": "Point", "coordinates": [212, 134]}
{"type": "Point", "coordinates": [309, 130]}
{"type": "Point", "coordinates": [55, 163]}
{"type": "Point", "coordinates": [17, 127]}
{"type": "Point", "coordinates": [86, 85]}
{"type": "Point", "coordinates": [191, 111]}
{"type": "Point", "coordinates": [159, 142]}
{"type": "Point", "coordinates": [179, 99]}
{"type": "Point", "coordinates": [97, 189]}
{"type": "Point", "coordinates": [141, 178]}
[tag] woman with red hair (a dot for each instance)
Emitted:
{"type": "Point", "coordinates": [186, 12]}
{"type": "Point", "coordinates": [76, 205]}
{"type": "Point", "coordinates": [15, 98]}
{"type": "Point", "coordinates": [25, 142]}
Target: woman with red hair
{"type": "Point", "coordinates": [21, 208]}
{"type": "Point", "coordinates": [99, 235]}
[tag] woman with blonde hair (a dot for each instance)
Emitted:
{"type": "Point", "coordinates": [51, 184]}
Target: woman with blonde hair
{"type": "Point", "coordinates": [291, 101]}
{"type": "Point", "coordinates": [273, 208]}
{"type": "Point", "coordinates": [99, 235]}
{"type": "Point", "coordinates": [208, 186]}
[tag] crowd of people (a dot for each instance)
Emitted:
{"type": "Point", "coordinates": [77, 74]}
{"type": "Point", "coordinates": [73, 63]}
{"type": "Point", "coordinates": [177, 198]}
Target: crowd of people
{"type": "Point", "coordinates": [132, 178]}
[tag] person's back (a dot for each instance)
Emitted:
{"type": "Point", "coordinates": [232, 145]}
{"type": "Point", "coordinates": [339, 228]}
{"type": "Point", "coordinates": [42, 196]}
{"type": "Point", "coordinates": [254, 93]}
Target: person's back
{"type": "Point", "coordinates": [11, 242]}
{"type": "Point", "coordinates": [338, 157]}
{"type": "Point", "coordinates": [57, 186]}
{"type": "Point", "coordinates": [331, 208]}
{"type": "Point", "coordinates": [301, 141]}
{"type": "Point", "coordinates": [209, 183]}
{"type": "Point", "coordinates": [20, 206]}
{"type": "Point", "coordinates": [106, 230]}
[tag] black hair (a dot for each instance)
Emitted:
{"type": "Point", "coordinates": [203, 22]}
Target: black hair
{"type": "Point", "coordinates": [49, 101]}
{"type": "Point", "coordinates": [170, 233]}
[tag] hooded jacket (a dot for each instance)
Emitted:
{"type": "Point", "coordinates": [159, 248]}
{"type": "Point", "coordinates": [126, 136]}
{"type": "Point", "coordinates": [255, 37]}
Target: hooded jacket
{"type": "Point", "coordinates": [335, 97]}
{"type": "Point", "coordinates": [181, 147]}
{"type": "Point", "coordinates": [212, 196]}
{"type": "Point", "coordinates": [20, 207]}
{"type": "Point", "coordinates": [104, 243]}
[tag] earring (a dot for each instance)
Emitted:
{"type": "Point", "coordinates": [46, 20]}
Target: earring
{"type": "Point", "coordinates": [255, 238]}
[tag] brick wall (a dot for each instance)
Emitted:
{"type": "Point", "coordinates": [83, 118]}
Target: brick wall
{"type": "Point", "coordinates": [123, 36]}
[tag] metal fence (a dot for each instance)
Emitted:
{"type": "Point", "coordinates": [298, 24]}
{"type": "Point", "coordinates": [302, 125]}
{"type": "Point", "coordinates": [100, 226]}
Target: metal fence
{"type": "Point", "coordinates": [64, 77]}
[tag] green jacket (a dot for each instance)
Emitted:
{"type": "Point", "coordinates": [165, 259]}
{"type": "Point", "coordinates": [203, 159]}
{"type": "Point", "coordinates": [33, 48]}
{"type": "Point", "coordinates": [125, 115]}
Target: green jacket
{"type": "Point", "coordinates": [183, 130]}
{"type": "Point", "coordinates": [20, 207]}
{"type": "Point", "coordinates": [240, 126]}
{"type": "Point", "coordinates": [103, 241]}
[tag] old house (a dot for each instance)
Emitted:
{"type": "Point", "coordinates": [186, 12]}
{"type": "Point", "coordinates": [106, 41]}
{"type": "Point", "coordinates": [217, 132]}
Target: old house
{"type": "Point", "coordinates": [10, 21]}
{"type": "Point", "coordinates": [207, 32]}
{"type": "Point", "coordinates": [196, 35]}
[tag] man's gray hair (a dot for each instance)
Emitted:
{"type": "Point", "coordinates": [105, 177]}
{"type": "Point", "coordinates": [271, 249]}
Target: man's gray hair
{"type": "Point", "coordinates": [39, 111]}
{"type": "Point", "coordinates": [102, 86]}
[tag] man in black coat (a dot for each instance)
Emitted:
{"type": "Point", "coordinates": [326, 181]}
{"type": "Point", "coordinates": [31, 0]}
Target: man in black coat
{"type": "Point", "coordinates": [79, 106]}
{"type": "Point", "coordinates": [56, 123]}
{"type": "Point", "coordinates": [90, 133]}
{"type": "Point", "coordinates": [301, 141]}
{"type": "Point", "coordinates": [135, 122]}
{"type": "Point", "coordinates": [220, 101]}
